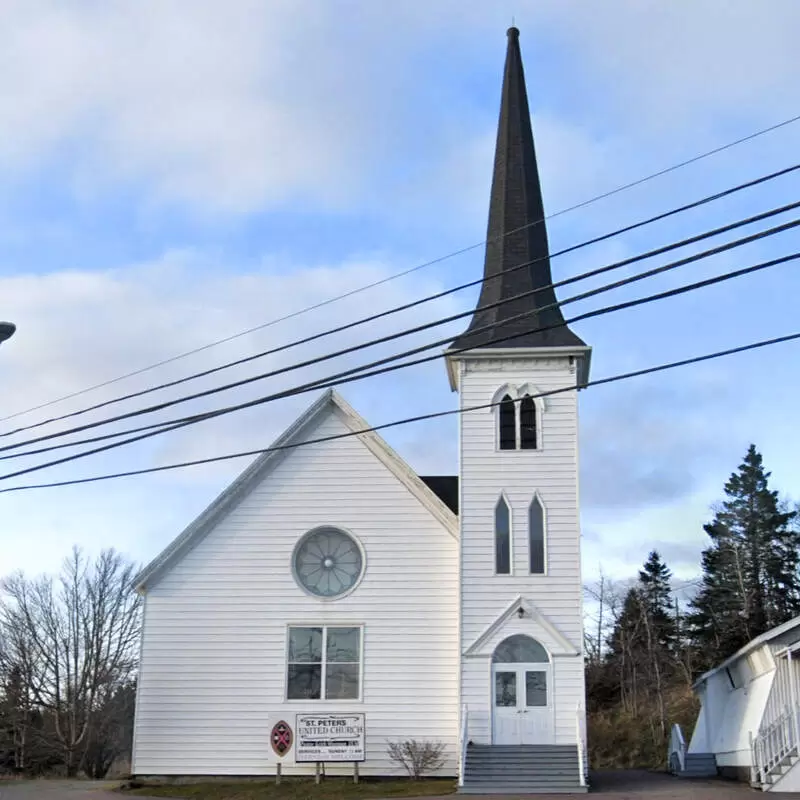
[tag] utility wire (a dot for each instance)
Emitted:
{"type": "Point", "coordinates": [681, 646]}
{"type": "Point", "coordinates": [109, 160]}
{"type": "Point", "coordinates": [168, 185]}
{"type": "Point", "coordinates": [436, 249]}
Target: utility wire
{"type": "Point", "coordinates": [404, 307]}
{"type": "Point", "coordinates": [407, 332]}
{"type": "Point", "coordinates": [331, 383]}
{"type": "Point", "coordinates": [462, 251]}
{"type": "Point", "coordinates": [407, 420]}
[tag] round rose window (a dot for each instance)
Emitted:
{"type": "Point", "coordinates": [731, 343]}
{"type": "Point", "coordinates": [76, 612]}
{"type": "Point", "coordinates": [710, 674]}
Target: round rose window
{"type": "Point", "coordinates": [328, 562]}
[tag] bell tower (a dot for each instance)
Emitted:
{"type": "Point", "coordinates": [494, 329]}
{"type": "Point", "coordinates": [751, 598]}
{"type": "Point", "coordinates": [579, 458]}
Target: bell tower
{"type": "Point", "coordinates": [521, 627]}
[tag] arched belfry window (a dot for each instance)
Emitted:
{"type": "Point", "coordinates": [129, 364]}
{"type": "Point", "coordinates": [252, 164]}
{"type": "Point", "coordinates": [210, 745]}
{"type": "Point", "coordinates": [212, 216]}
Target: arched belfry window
{"type": "Point", "coordinates": [536, 536]}
{"type": "Point", "coordinates": [520, 649]}
{"type": "Point", "coordinates": [519, 417]}
{"type": "Point", "coordinates": [527, 423]}
{"type": "Point", "coordinates": [502, 537]}
{"type": "Point", "coordinates": [508, 424]}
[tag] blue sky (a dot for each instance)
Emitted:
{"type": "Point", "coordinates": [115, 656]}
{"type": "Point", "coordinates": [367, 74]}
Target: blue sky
{"type": "Point", "coordinates": [169, 177]}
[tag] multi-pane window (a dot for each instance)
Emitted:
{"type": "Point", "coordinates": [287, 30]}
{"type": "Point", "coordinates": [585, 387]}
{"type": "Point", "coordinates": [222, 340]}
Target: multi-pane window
{"type": "Point", "coordinates": [324, 663]}
{"type": "Point", "coordinates": [536, 534]}
{"type": "Point", "coordinates": [518, 424]}
{"type": "Point", "coordinates": [502, 538]}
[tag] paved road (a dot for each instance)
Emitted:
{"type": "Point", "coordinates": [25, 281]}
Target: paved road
{"type": "Point", "coordinates": [58, 790]}
{"type": "Point", "coordinates": [635, 784]}
{"type": "Point", "coordinates": [622, 785]}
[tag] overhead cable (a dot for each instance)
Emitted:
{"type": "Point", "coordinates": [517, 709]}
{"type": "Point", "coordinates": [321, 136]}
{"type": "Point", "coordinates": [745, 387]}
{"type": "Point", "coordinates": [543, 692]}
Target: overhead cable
{"type": "Point", "coordinates": [315, 385]}
{"type": "Point", "coordinates": [403, 273]}
{"type": "Point", "coordinates": [417, 329]}
{"type": "Point", "coordinates": [406, 421]}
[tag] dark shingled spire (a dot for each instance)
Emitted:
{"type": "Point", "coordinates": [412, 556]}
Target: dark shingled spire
{"type": "Point", "coordinates": [516, 201]}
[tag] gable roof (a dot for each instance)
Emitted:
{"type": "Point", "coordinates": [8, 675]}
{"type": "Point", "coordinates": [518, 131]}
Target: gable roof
{"type": "Point", "coordinates": [271, 457]}
{"type": "Point", "coordinates": [753, 644]}
{"type": "Point", "coordinates": [519, 602]}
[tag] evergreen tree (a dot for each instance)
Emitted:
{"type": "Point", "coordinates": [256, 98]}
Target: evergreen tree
{"type": "Point", "coordinates": [626, 649]}
{"type": "Point", "coordinates": [656, 592]}
{"type": "Point", "coordinates": [750, 570]}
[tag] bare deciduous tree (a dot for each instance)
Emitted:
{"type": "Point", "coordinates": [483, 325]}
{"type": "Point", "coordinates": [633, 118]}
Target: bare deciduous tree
{"type": "Point", "coordinates": [73, 641]}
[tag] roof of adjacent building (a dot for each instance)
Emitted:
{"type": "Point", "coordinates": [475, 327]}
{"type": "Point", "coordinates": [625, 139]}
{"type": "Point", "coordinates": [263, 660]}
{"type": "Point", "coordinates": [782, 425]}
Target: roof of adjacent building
{"type": "Point", "coordinates": [517, 263]}
{"type": "Point", "coordinates": [765, 638]}
{"type": "Point", "coordinates": [445, 487]}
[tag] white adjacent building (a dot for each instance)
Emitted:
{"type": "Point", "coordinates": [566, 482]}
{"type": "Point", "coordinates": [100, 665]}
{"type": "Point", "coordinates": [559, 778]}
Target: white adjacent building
{"type": "Point", "coordinates": [748, 727]}
{"type": "Point", "coordinates": [332, 600]}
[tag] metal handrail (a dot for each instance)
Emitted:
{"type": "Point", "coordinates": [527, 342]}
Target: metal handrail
{"type": "Point", "coordinates": [464, 738]}
{"type": "Point", "coordinates": [775, 743]}
{"type": "Point", "coordinates": [677, 748]}
{"type": "Point", "coordinates": [579, 742]}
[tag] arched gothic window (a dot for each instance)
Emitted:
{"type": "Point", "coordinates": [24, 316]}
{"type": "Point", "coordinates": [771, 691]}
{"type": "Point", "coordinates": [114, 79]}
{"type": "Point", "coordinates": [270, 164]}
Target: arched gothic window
{"type": "Point", "coordinates": [518, 419]}
{"type": "Point", "coordinates": [502, 538]}
{"type": "Point", "coordinates": [536, 534]}
{"type": "Point", "coordinates": [527, 423]}
{"type": "Point", "coordinates": [508, 424]}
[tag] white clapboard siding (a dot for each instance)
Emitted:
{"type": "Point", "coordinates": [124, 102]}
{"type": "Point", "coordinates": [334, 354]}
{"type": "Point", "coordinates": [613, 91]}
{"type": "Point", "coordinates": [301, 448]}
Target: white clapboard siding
{"type": "Point", "coordinates": [212, 681]}
{"type": "Point", "coordinates": [552, 472]}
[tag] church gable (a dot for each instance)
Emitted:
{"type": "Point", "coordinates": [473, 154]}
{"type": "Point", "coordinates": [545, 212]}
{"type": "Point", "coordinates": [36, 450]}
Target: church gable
{"type": "Point", "coordinates": [347, 469]}
{"type": "Point", "coordinates": [521, 617]}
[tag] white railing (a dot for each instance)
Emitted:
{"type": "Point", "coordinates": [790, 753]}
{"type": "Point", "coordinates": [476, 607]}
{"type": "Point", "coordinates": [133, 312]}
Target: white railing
{"type": "Point", "coordinates": [676, 757]}
{"type": "Point", "coordinates": [463, 740]}
{"type": "Point", "coordinates": [579, 741]}
{"type": "Point", "coordinates": [774, 745]}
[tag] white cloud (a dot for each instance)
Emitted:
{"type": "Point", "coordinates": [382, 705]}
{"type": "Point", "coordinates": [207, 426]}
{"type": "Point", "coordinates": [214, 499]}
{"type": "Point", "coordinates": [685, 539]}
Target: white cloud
{"type": "Point", "coordinates": [233, 106]}
{"type": "Point", "coordinates": [79, 328]}
{"type": "Point", "coordinates": [677, 67]}
{"type": "Point", "coordinates": [243, 106]}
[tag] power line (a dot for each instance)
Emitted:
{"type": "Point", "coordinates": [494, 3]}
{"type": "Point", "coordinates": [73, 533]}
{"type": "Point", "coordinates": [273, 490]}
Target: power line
{"type": "Point", "coordinates": [176, 424]}
{"type": "Point", "coordinates": [381, 340]}
{"type": "Point", "coordinates": [408, 420]}
{"type": "Point", "coordinates": [404, 307]}
{"type": "Point", "coordinates": [403, 273]}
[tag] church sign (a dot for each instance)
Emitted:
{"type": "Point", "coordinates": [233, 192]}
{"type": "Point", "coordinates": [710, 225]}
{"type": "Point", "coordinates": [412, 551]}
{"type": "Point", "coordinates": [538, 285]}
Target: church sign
{"type": "Point", "coordinates": [329, 737]}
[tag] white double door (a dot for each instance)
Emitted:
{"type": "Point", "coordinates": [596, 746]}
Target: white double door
{"type": "Point", "coordinates": [522, 704]}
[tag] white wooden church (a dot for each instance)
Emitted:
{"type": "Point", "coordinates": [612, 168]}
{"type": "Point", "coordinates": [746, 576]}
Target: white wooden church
{"type": "Point", "coordinates": [331, 600]}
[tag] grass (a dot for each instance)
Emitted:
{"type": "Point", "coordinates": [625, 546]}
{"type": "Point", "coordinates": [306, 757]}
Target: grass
{"type": "Point", "coordinates": [298, 789]}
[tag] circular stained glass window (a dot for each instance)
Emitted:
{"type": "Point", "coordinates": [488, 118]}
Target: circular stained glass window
{"type": "Point", "coordinates": [328, 562]}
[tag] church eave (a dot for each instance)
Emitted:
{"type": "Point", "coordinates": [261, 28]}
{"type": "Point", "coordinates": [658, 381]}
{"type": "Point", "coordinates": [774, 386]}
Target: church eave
{"type": "Point", "coordinates": [583, 354]}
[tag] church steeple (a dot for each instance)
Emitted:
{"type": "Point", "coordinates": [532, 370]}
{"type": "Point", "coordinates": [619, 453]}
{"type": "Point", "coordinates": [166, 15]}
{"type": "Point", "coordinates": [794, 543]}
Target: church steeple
{"type": "Point", "coordinates": [516, 234]}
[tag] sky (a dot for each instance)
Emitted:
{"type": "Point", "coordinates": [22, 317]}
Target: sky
{"type": "Point", "coordinates": [172, 175]}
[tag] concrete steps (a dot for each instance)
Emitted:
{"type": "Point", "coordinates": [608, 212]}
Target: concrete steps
{"type": "Point", "coordinates": [699, 765]}
{"type": "Point", "coordinates": [522, 769]}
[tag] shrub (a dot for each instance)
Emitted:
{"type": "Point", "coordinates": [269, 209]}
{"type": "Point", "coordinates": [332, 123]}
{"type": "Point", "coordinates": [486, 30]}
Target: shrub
{"type": "Point", "coordinates": [417, 758]}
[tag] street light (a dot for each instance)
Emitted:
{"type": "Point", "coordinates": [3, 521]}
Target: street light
{"type": "Point", "coordinates": [6, 330]}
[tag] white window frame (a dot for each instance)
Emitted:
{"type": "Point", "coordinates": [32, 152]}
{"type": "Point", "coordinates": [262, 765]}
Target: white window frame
{"type": "Point", "coordinates": [324, 662]}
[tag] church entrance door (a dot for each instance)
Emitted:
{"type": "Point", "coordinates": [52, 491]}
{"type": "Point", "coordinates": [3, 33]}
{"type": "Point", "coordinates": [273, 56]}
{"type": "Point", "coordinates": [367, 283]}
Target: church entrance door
{"type": "Point", "coordinates": [522, 704]}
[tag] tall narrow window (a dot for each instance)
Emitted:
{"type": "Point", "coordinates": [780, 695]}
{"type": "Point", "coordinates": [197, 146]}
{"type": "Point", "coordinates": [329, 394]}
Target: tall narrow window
{"type": "Point", "coordinates": [508, 424]}
{"type": "Point", "coordinates": [527, 423]}
{"type": "Point", "coordinates": [502, 538]}
{"type": "Point", "coordinates": [536, 535]}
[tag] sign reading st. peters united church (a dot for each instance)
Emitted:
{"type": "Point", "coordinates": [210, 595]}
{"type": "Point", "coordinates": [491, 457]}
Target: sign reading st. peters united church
{"type": "Point", "coordinates": [329, 737]}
